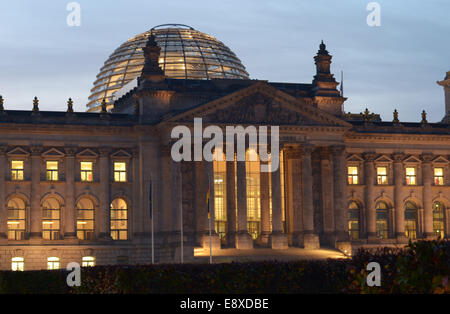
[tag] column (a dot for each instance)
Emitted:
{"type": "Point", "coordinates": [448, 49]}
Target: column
{"type": "Point", "coordinates": [231, 204]}
{"type": "Point", "coordinates": [398, 200]}
{"type": "Point", "coordinates": [327, 196]}
{"type": "Point", "coordinates": [340, 196]}
{"type": "Point", "coordinates": [294, 195]}
{"type": "Point", "coordinates": [141, 213]}
{"type": "Point", "coordinates": [243, 238]}
{"type": "Point", "coordinates": [36, 212]}
{"type": "Point", "coordinates": [215, 240]}
{"type": "Point", "coordinates": [3, 210]}
{"type": "Point", "coordinates": [70, 208]}
{"type": "Point", "coordinates": [264, 178]}
{"type": "Point", "coordinates": [310, 238]}
{"type": "Point", "coordinates": [369, 168]}
{"type": "Point", "coordinates": [104, 210]}
{"type": "Point", "coordinates": [278, 240]}
{"type": "Point", "coordinates": [427, 175]}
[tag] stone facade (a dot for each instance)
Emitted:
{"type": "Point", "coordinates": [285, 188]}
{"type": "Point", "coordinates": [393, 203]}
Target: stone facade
{"type": "Point", "coordinates": [306, 205]}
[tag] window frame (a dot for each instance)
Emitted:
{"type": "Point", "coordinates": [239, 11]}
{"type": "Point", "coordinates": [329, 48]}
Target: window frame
{"type": "Point", "coordinates": [408, 176]}
{"type": "Point", "coordinates": [86, 172]}
{"type": "Point", "coordinates": [17, 263]}
{"type": "Point", "coordinates": [53, 263]}
{"type": "Point", "coordinates": [48, 171]}
{"type": "Point", "coordinates": [439, 177]}
{"type": "Point", "coordinates": [17, 171]}
{"type": "Point", "coordinates": [88, 234]}
{"type": "Point", "coordinates": [24, 219]}
{"type": "Point", "coordinates": [120, 172]}
{"type": "Point", "coordinates": [351, 177]}
{"type": "Point", "coordinates": [381, 176]}
{"type": "Point", "coordinates": [117, 230]}
{"type": "Point", "coordinates": [378, 211]}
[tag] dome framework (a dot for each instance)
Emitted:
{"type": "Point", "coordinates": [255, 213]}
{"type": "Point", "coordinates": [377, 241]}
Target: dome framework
{"type": "Point", "coordinates": [185, 54]}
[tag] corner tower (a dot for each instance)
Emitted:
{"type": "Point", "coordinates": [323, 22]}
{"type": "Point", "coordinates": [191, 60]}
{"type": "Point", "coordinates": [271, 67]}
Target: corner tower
{"type": "Point", "coordinates": [445, 83]}
{"type": "Point", "coordinates": [326, 96]}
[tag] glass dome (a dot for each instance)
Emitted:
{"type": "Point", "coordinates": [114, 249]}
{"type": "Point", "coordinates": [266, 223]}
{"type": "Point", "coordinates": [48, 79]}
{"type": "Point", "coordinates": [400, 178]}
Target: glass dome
{"type": "Point", "coordinates": [185, 54]}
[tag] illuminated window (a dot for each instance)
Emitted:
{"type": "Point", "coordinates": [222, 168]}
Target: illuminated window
{"type": "Point", "coordinates": [86, 171]}
{"type": "Point", "coordinates": [438, 176]}
{"type": "Point", "coordinates": [88, 261]}
{"type": "Point", "coordinates": [252, 167]}
{"type": "Point", "coordinates": [85, 219]}
{"type": "Point", "coordinates": [119, 223]}
{"type": "Point", "coordinates": [220, 187]}
{"type": "Point", "coordinates": [438, 220]}
{"type": "Point", "coordinates": [17, 264]}
{"type": "Point", "coordinates": [382, 178]}
{"type": "Point", "coordinates": [411, 220]}
{"type": "Point", "coordinates": [120, 172]}
{"type": "Point", "coordinates": [17, 170]}
{"type": "Point", "coordinates": [353, 220]}
{"type": "Point", "coordinates": [411, 176]}
{"type": "Point", "coordinates": [352, 175]}
{"type": "Point", "coordinates": [50, 219]}
{"type": "Point", "coordinates": [52, 171]}
{"type": "Point", "coordinates": [382, 220]}
{"type": "Point", "coordinates": [53, 263]}
{"type": "Point", "coordinates": [16, 219]}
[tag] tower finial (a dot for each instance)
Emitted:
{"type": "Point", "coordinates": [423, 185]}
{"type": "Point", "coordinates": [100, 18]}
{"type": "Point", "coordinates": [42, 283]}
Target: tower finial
{"type": "Point", "coordinates": [35, 104]}
{"type": "Point", "coordinates": [424, 117]}
{"type": "Point", "coordinates": [151, 69]}
{"type": "Point", "coordinates": [396, 121]}
{"type": "Point", "coordinates": [103, 106]}
{"type": "Point", "coordinates": [70, 105]}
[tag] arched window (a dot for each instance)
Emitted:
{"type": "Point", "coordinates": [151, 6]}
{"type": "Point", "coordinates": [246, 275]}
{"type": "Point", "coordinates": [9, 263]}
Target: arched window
{"type": "Point", "coordinates": [382, 222]}
{"type": "Point", "coordinates": [85, 219]}
{"type": "Point", "coordinates": [16, 219]}
{"type": "Point", "coordinates": [411, 220]}
{"type": "Point", "coordinates": [119, 216]}
{"type": "Point", "coordinates": [353, 220]}
{"type": "Point", "coordinates": [252, 167]}
{"type": "Point", "coordinates": [438, 219]}
{"type": "Point", "coordinates": [51, 213]}
{"type": "Point", "coordinates": [220, 196]}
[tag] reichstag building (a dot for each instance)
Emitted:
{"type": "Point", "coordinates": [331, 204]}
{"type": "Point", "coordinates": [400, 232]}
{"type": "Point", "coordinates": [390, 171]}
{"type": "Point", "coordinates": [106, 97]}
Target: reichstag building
{"type": "Point", "coordinates": [87, 187]}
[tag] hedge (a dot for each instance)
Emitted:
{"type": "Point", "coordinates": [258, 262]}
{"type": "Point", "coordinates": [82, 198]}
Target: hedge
{"type": "Point", "coordinates": [422, 267]}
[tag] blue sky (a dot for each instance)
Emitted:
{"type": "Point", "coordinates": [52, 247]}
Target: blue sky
{"type": "Point", "coordinates": [392, 66]}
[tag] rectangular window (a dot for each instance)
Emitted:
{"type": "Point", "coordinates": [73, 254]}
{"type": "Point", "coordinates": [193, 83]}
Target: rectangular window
{"type": "Point", "coordinates": [382, 178]}
{"type": "Point", "coordinates": [88, 261]}
{"type": "Point", "coordinates": [52, 171]}
{"type": "Point", "coordinates": [53, 263]}
{"type": "Point", "coordinates": [17, 264]}
{"type": "Point", "coordinates": [120, 172]}
{"type": "Point", "coordinates": [438, 176]}
{"type": "Point", "coordinates": [86, 171]}
{"type": "Point", "coordinates": [411, 176]}
{"type": "Point", "coordinates": [17, 170]}
{"type": "Point", "coordinates": [352, 175]}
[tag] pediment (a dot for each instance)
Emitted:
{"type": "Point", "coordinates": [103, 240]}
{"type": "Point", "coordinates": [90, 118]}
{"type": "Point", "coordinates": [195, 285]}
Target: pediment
{"type": "Point", "coordinates": [440, 160]}
{"type": "Point", "coordinates": [53, 152]}
{"type": "Point", "coordinates": [121, 154]}
{"type": "Point", "coordinates": [383, 158]}
{"type": "Point", "coordinates": [259, 104]}
{"type": "Point", "coordinates": [354, 158]}
{"type": "Point", "coordinates": [412, 159]}
{"type": "Point", "coordinates": [18, 152]}
{"type": "Point", "coordinates": [87, 153]}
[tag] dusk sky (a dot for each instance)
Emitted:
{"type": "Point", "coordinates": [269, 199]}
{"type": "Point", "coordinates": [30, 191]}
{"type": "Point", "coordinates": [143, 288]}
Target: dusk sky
{"type": "Point", "coordinates": [395, 65]}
